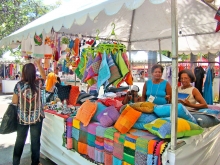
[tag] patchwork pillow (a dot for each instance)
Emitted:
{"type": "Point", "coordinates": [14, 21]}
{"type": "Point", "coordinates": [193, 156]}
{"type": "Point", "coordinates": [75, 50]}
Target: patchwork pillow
{"type": "Point", "coordinates": [127, 119]}
{"type": "Point", "coordinates": [144, 119]}
{"type": "Point", "coordinates": [146, 107]}
{"type": "Point", "coordinates": [164, 111]}
{"type": "Point", "coordinates": [162, 128]}
{"type": "Point", "coordinates": [108, 117]}
{"type": "Point", "coordinates": [86, 112]}
{"type": "Point", "coordinates": [100, 108]}
{"type": "Point", "coordinates": [74, 93]}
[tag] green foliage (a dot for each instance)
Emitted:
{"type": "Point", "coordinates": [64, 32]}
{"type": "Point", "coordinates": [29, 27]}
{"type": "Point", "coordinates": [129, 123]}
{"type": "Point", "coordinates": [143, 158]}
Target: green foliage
{"type": "Point", "coordinates": [14, 14]}
{"type": "Point", "coordinates": [65, 40]}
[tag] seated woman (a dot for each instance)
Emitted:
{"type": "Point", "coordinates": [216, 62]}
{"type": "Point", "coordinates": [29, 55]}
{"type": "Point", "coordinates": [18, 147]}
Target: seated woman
{"type": "Point", "coordinates": [157, 90]}
{"type": "Point", "coordinates": [195, 100]}
{"type": "Point", "coordinates": [132, 96]}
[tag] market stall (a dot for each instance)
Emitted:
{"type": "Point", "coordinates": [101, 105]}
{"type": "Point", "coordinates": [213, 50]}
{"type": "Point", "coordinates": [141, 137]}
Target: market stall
{"type": "Point", "coordinates": [128, 17]}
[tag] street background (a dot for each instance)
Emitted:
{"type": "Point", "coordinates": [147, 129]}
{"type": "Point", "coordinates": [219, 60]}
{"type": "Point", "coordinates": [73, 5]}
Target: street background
{"type": "Point", "coordinates": [7, 141]}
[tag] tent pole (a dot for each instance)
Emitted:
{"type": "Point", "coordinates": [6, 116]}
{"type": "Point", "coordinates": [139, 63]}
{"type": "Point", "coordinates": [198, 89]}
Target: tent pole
{"type": "Point", "coordinates": [174, 27]}
{"type": "Point", "coordinates": [171, 155]}
{"type": "Point", "coordinates": [129, 40]}
{"type": "Point", "coordinates": [160, 50]}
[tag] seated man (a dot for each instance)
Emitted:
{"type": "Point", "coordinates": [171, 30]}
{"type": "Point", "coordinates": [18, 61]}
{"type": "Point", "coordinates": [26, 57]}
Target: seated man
{"type": "Point", "coordinates": [132, 96]}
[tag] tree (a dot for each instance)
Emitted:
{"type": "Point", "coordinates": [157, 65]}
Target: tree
{"type": "Point", "coordinates": [14, 14]}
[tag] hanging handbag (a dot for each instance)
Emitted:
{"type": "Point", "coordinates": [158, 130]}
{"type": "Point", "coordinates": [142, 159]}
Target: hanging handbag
{"type": "Point", "coordinates": [9, 121]}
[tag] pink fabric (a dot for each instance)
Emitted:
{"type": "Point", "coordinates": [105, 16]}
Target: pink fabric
{"type": "Point", "coordinates": [91, 152]}
{"type": "Point", "coordinates": [69, 143]}
{"type": "Point", "coordinates": [214, 107]}
{"type": "Point", "coordinates": [112, 102]}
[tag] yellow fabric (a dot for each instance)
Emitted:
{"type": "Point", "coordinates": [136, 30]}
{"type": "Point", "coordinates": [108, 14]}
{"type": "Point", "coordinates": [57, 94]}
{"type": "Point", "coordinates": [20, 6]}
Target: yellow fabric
{"type": "Point", "coordinates": [182, 125]}
{"type": "Point", "coordinates": [51, 81]}
{"type": "Point", "coordinates": [129, 144]}
{"type": "Point", "coordinates": [76, 123]}
{"type": "Point", "coordinates": [125, 163]}
{"type": "Point", "coordinates": [146, 107]}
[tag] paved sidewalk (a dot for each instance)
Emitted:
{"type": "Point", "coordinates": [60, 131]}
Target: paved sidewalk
{"type": "Point", "coordinates": [7, 141]}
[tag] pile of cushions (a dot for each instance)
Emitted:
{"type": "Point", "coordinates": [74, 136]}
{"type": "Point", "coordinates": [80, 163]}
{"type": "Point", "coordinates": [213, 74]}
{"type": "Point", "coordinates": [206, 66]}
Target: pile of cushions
{"type": "Point", "coordinates": [96, 111]}
{"type": "Point", "coordinates": [142, 116]}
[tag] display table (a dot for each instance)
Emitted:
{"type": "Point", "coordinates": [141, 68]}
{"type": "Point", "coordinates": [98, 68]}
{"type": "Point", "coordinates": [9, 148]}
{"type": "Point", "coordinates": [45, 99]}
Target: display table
{"type": "Point", "coordinates": [8, 85]}
{"type": "Point", "coordinates": [51, 142]}
{"type": "Point", "coordinates": [200, 149]}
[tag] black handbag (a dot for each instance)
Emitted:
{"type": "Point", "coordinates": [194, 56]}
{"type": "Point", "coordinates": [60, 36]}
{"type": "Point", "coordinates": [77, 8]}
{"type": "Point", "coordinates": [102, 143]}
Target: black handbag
{"type": "Point", "coordinates": [9, 121]}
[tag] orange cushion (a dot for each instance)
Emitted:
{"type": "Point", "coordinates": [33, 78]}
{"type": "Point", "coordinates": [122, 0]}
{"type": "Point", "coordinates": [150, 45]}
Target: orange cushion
{"type": "Point", "coordinates": [127, 119]}
{"type": "Point", "coordinates": [74, 93]}
{"type": "Point", "coordinates": [86, 112]}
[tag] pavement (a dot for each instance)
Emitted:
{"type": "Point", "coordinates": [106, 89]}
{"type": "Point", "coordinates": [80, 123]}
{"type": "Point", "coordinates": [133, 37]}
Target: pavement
{"type": "Point", "coordinates": [7, 141]}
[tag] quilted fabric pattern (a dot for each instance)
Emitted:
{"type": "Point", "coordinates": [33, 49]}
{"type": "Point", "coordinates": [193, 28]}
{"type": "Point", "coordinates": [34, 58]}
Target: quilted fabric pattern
{"type": "Point", "coordinates": [127, 119]}
{"type": "Point", "coordinates": [115, 73]}
{"type": "Point", "coordinates": [162, 128]}
{"type": "Point", "coordinates": [88, 64]}
{"type": "Point", "coordinates": [86, 111]}
{"type": "Point", "coordinates": [94, 67]}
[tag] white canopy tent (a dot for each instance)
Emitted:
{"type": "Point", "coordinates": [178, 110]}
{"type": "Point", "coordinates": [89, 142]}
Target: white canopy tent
{"type": "Point", "coordinates": [139, 23]}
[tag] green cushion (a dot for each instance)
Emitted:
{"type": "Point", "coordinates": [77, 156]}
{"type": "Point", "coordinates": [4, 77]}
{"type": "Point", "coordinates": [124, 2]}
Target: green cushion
{"type": "Point", "coordinates": [162, 128]}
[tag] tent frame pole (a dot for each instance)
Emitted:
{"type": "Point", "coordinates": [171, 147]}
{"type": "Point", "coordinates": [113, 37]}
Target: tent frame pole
{"type": "Point", "coordinates": [129, 40]}
{"type": "Point", "coordinates": [174, 27]}
{"type": "Point", "coordinates": [160, 49]}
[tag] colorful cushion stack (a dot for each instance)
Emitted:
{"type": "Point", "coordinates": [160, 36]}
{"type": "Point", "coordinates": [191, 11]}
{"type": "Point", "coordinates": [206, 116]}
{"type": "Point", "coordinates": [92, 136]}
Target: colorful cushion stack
{"type": "Point", "coordinates": [162, 128]}
{"type": "Point", "coordinates": [127, 119]}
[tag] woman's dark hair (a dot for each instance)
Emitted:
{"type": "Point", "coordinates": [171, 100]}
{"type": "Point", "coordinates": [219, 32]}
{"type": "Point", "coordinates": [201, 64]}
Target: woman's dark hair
{"type": "Point", "coordinates": [189, 73]}
{"type": "Point", "coordinates": [157, 66]}
{"type": "Point", "coordinates": [58, 79]}
{"type": "Point", "coordinates": [29, 75]}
